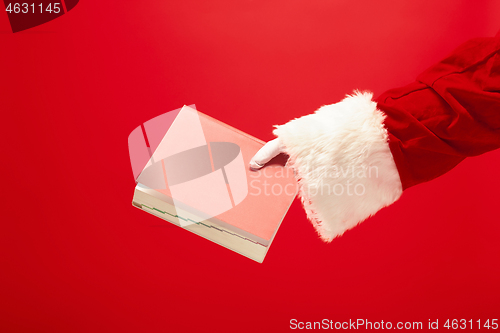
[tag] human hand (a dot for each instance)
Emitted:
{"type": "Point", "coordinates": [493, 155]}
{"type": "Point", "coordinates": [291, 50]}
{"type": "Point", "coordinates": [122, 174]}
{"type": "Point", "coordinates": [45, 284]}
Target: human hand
{"type": "Point", "coordinates": [265, 154]}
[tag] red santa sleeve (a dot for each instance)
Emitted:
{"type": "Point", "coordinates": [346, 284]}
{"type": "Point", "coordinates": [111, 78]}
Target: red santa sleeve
{"type": "Point", "coordinates": [357, 156]}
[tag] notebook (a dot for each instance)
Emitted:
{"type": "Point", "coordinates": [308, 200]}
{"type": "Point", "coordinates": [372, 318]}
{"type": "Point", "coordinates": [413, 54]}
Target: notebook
{"type": "Point", "coordinates": [192, 170]}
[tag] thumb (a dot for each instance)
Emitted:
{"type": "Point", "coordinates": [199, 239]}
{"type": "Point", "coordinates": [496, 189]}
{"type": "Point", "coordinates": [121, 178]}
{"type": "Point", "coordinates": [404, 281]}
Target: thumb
{"type": "Point", "coordinates": [265, 154]}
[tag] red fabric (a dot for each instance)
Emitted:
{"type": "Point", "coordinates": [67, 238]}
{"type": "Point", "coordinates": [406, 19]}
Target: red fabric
{"type": "Point", "coordinates": [451, 112]}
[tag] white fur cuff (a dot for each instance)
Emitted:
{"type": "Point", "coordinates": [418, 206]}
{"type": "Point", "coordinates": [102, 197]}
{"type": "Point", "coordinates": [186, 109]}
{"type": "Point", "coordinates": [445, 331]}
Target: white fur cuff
{"type": "Point", "coordinates": [345, 169]}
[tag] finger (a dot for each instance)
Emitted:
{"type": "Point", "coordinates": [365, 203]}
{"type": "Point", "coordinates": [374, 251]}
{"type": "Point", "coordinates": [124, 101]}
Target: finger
{"type": "Point", "coordinates": [265, 154]}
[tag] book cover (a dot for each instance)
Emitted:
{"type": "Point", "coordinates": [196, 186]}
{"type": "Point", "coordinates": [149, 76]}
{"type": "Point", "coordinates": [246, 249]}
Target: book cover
{"type": "Point", "coordinates": [194, 173]}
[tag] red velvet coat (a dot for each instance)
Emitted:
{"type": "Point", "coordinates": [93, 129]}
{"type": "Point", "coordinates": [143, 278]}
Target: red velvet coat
{"type": "Point", "coordinates": [451, 112]}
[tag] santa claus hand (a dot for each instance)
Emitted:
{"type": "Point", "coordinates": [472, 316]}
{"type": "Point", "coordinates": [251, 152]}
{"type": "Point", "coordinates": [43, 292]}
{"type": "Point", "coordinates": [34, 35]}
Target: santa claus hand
{"type": "Point", "coordinates": [265, 154]}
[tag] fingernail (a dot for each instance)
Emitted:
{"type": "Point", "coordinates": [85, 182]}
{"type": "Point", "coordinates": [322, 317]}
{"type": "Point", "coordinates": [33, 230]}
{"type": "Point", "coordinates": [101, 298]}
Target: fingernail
{"type": "Point", "coordinates": [254, 165]}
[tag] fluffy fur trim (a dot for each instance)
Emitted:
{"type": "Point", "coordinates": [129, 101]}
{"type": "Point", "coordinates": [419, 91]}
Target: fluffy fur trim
{"type": "Point", "coordinates": [344, 166]}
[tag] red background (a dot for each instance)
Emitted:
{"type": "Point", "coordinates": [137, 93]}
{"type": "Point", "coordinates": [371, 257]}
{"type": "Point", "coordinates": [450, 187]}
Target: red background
{"type": "Point", "coordinates": [75, 256]}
